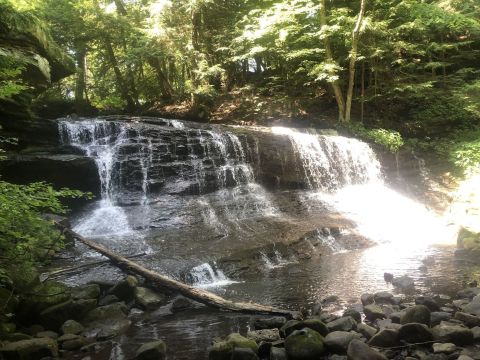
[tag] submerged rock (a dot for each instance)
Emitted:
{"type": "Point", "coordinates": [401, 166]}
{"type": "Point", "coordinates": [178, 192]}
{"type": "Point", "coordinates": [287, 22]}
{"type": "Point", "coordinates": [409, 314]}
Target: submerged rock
{"type": "Point", "coordinates": [269, 323]}
{"type": "Point", "coordinates": [404, 282]}
{"type": "Point", "coordinates": [153, 350]}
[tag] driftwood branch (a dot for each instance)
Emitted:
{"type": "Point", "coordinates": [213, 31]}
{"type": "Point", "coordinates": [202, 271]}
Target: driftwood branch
{"type": "Point", "coordinates": [162, 281]}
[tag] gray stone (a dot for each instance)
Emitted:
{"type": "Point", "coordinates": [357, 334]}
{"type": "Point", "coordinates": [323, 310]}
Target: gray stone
{"type": "Point", "coordinates": [437, 317]}
{"type": "Point", "coordinates": [383, 297]}
{"type": "Point", "coordinates": [467, 319]}
{"type": "Point", "coordinates": [269, 323]}
{"type": "Point", "coordinates": [148, 299]}
{"type": "Point", "coordinates": [396, 316]}
{"type": "Point", "coordinates": [446, 348]}
{"type": "Point", "coordinates": [47, 334]}
{"type": "Point", "coordinates": [268, 335]}
{"type": "Point", "coordinates": [468, 293]}
{"type": "Point", "coordinates": [473, 307]}
{"type": "Point", "coordinates": [452, 333]}
{"type": "Point", "coordinates": [428, 302]}
{"type": "Point", "coordinates": [366, 330]}
{"type": "Point", "coordinates": [314, 324]}
{"type": "Point", "coordinates": [385, 338]}
{"type": "Point", "coordinates": [125, 289]}
{"type": "Point", "coordinates": [71, 327]}
{"type": "Point", "coordinates": [116, 310]}
{"type": "Point", "coordinates": [342, 324]}
{"type": "Point", "coordinates": [415, 333]}
{"type": "Point", "coordinates": [403, 282]}
{"type": "Point", "coordinates": [243, 354]}
{"type": "Point", "coordinates": [153, 350]}
{"type": "Point", "coordinates": [338, 341]}
{"type": "Point", "coordinates": [278, 354]}
{"type": "Point", "coordinates": [354, 314]}
{"type": "Point", "coordinates": [90, 291]}
{"type": "Point", "coordinates": [373, 312]}
{"type": "Point", "coordinates": [358, 350]}
{"type": "Point", "coordinates": [32, 349]}
{"type": "Point", "coordinates": [476, 333]}
{"type": "Point", "coordinates": [13, 337]}
{"type": "Point", "coordinates": [74, 344]}
{"type": "Point", "coordinates": [464, 357]}
{"type": "Point", "coordinates": [305, 344]}
{"type": "Point", "coordinates": [367, 299]}
{"type": "Point", "coordinates": [54, 316]}
{"type": "Point", "coordinates": [181, 304]}
{"type": "Point", "coordinates": [107, 300]}
{"type": "Point", "coordinates": [416, 314]}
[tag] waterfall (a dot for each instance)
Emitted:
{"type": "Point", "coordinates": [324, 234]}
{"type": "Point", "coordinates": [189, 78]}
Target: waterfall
{"type": "Point", "coordinates": [205, 275]}
{"type": "Point", "coordinates": [331, 162]}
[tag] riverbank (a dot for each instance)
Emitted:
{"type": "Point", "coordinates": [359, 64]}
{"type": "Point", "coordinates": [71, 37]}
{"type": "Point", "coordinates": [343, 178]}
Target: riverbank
{"type": "Point", "coordinates": [91, 321]}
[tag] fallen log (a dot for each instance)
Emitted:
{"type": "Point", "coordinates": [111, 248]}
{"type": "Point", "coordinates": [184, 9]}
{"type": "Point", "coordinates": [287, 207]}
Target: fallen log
{"type": "Point", "coordinates": [191, 292]}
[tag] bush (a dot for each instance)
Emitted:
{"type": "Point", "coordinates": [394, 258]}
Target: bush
{"type": "Point", "coordinates": [389, 139]}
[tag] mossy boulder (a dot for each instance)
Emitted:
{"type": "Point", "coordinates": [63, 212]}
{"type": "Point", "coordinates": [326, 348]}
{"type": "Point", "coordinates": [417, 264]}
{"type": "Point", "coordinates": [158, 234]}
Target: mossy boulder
{"type": "Point", "coordinates": [468, 239]}
{"type": "Point", "coordinates": [223, 350]}
{"type": "Point", "coordinates": [305, 344]}
{"type": "Point", "coordinates": [32, 349]}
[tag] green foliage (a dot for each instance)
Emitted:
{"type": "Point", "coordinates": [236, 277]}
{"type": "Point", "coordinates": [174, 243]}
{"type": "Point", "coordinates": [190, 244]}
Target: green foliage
{"type": "Point", "coordinates": [10, 82]}
{"type": "Point", "coordinates": [25, 235]}
{"type": "Point", "coordinates": [389, 139]}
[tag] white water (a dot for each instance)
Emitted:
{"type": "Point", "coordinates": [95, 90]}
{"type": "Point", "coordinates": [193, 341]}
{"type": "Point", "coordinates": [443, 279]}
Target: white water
{"type": "Point", "coordinates": [205, 276]}
{"type": "Point", "coordinates": [381, 214]}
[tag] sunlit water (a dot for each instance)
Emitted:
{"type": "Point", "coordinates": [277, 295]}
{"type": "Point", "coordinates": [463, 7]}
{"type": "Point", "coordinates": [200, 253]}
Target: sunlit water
{"type": "Point", "coordinates": [228, 216]}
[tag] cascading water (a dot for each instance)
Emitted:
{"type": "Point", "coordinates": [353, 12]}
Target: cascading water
{"type": "Point", "coordinates": [346, 174]}
{"type": "Point", "coordinates": [206, 275]}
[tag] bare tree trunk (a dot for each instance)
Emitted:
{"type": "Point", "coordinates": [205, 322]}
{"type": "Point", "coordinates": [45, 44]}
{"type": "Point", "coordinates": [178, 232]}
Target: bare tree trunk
{"type": "Point", "coordinates": [353, 60]}
{"type": "Point", "coordinates": [81, 100]}
{"type": "Point", "coordinates": [362, 94]}
{"type": "Point", "coordinates": [337, 91]}
{"type": "Point", "coordinates": [191, 292]}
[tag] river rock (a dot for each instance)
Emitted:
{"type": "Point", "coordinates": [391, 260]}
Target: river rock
{"type": "Point", "coordinates": [366, 330]}
{"type": "Point", "coordinates": [467, 319]}
{"type": "Point", "coordinates": [222, 350]}
{"type": "Point", "coordinates": [32, 349]}
{"type": "Point", "coordinates": [148, 299]}
{"type": "Point", "coordinates": [17, 336]}
{"type": "Point", "coordinates": [153, 350]}
{"type": "Point", "coordinates": [456, 334]}
{"type": "Point", "coordinates": [473, 307]}
{"type": "Point", "coordinates": [468, 293]}
{"type": "Point", "coordinates": [428, 301]}
{"type": "Point", "coordinates": [314, 324]}
{"type": "Point", "coordinates": [268, 335]}
{"type": "Point", "coordinates": [125, 289]}
{"type": "Point", "coordinates": [383, 297]}
{"type": "Point", "coordinates": [90, 291]}
{"type": "Point", "coordinates": [305, 344]}
{"type": "Point", "coordinates": [54, 316]}
{"type": "Point", "coordinates": [354, 314]}
{"type": "Point", "coordinates": [338, 341]}
{"type": "Point", "coordinates": [357, 350]}
{"type": "Point", "coordinates": [446, 348]}
{"type": "Point", "coordinates": [367, 299]}
{"type": "Point", "coordinates": [269, 323]}
{"type": "Point", "coordinates": [71, 327]}
{"type": "Point", "coordinates": [108, 321]}
{"type": "Point", "coordinates": [47, 334]}
{"type": "Point", "coordinates": [437, 317]}
{"type": "Point", "coordinates": [74, 344]}
{"type": "Point", "coordinates": [385, 338]}
{"type": "Point", "coordinates": [415, 333]}
{"type": "Point", "coordinates": [277, 354]}
{"type": "Point", "coordinates": [107, 300]}
{"type": "Point", "coordinates": [476, 333]}
{"type": "Point", "coordinates": [464, 357]}
{"type": "Point", "coordinates": [243, 354]}
{"type": "Point", "coordinates": [181, 304]}
{"type": "Point", "coordinates": [403, 282]}
{"type": "Point", "coordinates": [343, 324]}
{"type": "Point", "coordinates": [112, 311]}
{"type": "Point", "coordinates": [416, 314]}
{"type": "Point", "coordinates": [373, 312]}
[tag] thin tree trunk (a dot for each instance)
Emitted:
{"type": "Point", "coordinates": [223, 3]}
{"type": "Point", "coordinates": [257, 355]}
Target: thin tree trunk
{"type": "Point", "coordinates": [337, 91]}
{"type": "Point", "coordinates": [362, 94]}
{"type": "Point", "coordinates": [353, 59]}
{"type": "Point", "coordinates": [81, 102]}
{"type": "Point", "coordinates": [191, 292]}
